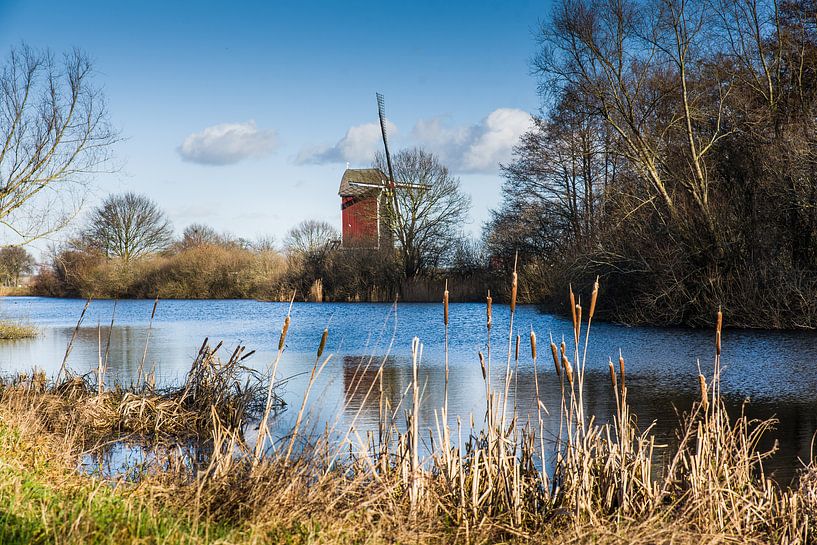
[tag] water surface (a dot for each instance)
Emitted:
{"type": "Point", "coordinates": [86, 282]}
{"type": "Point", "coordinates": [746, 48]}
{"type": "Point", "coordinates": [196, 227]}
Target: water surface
{"type": "Point", "coordinates": [770, 373]}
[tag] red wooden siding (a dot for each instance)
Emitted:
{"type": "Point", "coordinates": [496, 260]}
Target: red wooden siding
{"type": "Point", "coordinates": [359, 216]}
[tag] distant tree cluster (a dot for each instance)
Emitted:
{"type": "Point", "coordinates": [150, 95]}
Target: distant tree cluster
{"type": "Point", "coordinates": [676, 158]}
{"type": "Point", "coordinates": [126, 248]}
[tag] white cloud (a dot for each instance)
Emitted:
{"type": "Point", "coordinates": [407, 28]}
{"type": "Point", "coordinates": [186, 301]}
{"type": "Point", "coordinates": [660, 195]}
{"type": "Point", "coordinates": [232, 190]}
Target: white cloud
{"type": "Point", "coordinates": [228, 143]}
{"type": "Point", "coordinates": [475, 148]}
{"type": "Point", "coordinates": [358, 145]}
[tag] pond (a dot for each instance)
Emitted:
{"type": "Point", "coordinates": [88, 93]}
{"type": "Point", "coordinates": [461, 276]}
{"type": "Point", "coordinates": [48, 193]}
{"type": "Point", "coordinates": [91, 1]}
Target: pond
{"type": "Point", "coordinates": [775, 372]}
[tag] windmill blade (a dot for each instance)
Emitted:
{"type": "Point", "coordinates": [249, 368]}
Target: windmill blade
{"type": "Point", "coordinates": [366, 184]}
{"type": "Point", "coordinates": [381, 112]}
{"type": "Point", "coordinates": [399, 185]}
{"type": "Point", "coordinates": [404, 185]}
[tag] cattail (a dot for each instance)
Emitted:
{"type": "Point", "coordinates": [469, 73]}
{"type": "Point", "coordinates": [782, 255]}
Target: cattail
{"type": "Point", "coordinates": [284, 330]}
{"type": "Point", "coordinates": [482, 364]}
{"type": "Point", "coordinates": [568, 369]}
{"type": "Point", "coordinates": [323, 342]}
{"type": "Point", "coordinates": [593, 299]}
{"type": "Point", "coordinates": [488, 302]}
{"type": "Point", "coordinates": [553, 350]}
{"type": "Point", "coordinates": [562, 349]}
{"type": "Point", "coordinates": [621, 368]}
{"type": "Point", "coordinates": [704, 397]}
{"type": "Point", "coordinates": [613, 376]}
{"type": "Point", "coordinates": [578, 324]}
{"type": "Point", "coordinates": [532, 344]}
{"type": "Point", "coordinates": [518, 342]}
{"type": "Point", "coordinates": [513, 292]}
{"type": "Point", "coordinates": [445, 304]}
{"type": "Point", "coordinates": [718, 328]}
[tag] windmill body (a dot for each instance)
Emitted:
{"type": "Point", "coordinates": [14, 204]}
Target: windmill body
{"type": "Point", "coordinates": [362, 194]}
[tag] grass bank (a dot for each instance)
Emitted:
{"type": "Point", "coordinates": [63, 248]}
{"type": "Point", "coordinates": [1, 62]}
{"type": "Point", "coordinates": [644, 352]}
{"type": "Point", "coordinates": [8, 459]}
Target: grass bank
{"type": "Point", "coordinates": [501, 479]}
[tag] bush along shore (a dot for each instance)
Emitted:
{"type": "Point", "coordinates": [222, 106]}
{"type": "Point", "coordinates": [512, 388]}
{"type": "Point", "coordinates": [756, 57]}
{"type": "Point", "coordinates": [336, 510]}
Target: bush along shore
{"type": "Point", "coordinates": [502, 480]}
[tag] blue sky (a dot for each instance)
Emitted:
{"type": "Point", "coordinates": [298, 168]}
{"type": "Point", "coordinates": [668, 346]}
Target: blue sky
{"type": "Point", "coordinates": [244, 114]}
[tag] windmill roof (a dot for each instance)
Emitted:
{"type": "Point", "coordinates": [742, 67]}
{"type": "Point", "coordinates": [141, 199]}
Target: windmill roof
{"type": "Point", "coordinates": [363, 176]}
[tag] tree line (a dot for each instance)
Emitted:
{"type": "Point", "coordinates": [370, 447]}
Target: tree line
{"type": "Point", "coordinates": [127, 248]}
{"type": "Point", "coordinates": [675, 157]}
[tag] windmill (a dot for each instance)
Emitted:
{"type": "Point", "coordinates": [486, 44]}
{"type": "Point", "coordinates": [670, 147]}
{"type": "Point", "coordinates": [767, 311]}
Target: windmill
{"type": "Point", "coordinates": [363, 190]}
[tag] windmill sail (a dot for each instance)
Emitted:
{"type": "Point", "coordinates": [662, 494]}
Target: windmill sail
{"type": "Point", "coordinates": [381, 112]}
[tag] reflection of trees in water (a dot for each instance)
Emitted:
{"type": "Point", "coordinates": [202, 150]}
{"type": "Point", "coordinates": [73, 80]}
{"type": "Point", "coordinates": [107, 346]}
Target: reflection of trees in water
{"type": "Point", "coordinates": [360, 377]}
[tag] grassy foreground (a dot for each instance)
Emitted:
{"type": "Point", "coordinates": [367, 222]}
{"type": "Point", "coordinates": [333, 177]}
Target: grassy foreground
{"type": "Point", "coordinates": [603, 483]}
{"type": "Point", "coordinates": [43, 499]}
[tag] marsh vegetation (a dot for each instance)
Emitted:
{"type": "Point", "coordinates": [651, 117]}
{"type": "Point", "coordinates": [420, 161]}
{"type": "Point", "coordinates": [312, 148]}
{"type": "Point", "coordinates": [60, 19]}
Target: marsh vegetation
{"type": "Point", "coordinates": [494, 477]}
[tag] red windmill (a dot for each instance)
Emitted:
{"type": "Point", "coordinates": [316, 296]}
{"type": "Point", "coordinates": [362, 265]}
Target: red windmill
{"type": "Point", "coordinates": [364, 194]}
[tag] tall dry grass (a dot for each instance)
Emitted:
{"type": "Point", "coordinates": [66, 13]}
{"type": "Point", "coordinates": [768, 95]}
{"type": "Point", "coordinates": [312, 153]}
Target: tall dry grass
{"type": "Point", "coordinates": [495, 478]}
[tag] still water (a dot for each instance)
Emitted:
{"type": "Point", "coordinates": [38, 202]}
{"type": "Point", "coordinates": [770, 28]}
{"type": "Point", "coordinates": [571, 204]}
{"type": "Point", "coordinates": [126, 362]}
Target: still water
{"type": "Point", "coordinates": [774, 373]}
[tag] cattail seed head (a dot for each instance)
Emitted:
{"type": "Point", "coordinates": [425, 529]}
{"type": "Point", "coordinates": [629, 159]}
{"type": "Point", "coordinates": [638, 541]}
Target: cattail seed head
{"type": "Point", "coordinates": [562, 349]}
{"type": "Point", "coordinates": [621, 369]}
{"type": "Point", "coordinates": [322, 346]}
{"type": "Point", "coordinates": [488, 311]}
{"type": "Point", "coordinates": [514, 287]}
{"type": "Point", "coordinates": [577, 326]}
{"type": "Point", "coordinates": [532, 344]}
{"type": "Point", "coordinates": [284, 330]}
{"type": "Point", "coordinates": [718, 329]}
{"type": "Point", "coordinates": [555, 353]}
{"type": "Point", "coordinates": [445, 304]}
{"type": "Point", "coordinates": [482, 365]}
{"type": "Point", "coordinates": [593, 298]}
{"type": "Point", "coordinates": [573, 306]}
{"type": "Point", "coordinates": [704, 397]}
{"type": "Point", "coordinates": [568, 369]}
{"type": "Point", "coordinates": [613, 376]}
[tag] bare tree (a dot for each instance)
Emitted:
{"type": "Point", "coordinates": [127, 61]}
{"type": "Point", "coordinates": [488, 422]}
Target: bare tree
{"type": "Point", "coordinates": [199, 234]}
{"type": "Point", "coordinates": [427, 210]}
{"type": "Point", "coordinates": [54, 134]}
{"type": "Point", "coordinates": [128, 226]}
{"type": "Point", "coordinates": [264, 243]}
{"type": "Point", "coordinates": [640, 66]}
{"type": "Point", "coordinates": [310, 237]}
{"type": "Point", "coordinates": [14, 261]}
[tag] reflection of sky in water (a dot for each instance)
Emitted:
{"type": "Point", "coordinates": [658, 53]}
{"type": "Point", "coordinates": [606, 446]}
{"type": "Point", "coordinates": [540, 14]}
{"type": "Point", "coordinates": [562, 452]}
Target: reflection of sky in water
{"type": "Point", "coordinates": [777, 370]}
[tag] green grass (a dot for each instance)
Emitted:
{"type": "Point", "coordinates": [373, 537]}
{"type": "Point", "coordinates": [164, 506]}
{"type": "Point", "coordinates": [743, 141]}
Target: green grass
{"type": "Point", "coordinates": [43, 500]}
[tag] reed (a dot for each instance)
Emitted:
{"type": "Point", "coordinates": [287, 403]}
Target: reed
{"type": "Point", "coordinates": [263, 428]}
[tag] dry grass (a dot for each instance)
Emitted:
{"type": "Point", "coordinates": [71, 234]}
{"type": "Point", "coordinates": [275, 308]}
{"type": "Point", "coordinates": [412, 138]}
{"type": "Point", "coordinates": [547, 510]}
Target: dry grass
{"type": "Point", "coordinates": [501, 481]}
{"type": "Point", "coordinates": [14, 331]}
{"type": "Point", "coordinates": [82, 407]}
